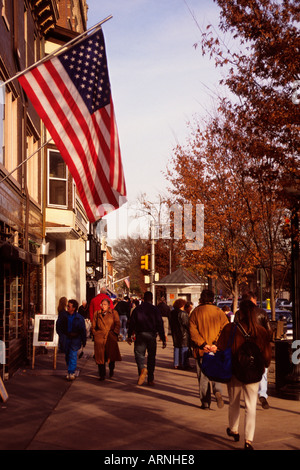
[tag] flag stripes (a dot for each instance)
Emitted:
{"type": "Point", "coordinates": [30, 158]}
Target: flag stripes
{"type": "Point", "coordinates": [88, 142]}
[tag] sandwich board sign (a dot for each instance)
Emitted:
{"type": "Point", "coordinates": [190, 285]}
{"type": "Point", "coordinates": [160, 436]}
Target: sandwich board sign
{"type": "Point", "coordinates": [44, 333]}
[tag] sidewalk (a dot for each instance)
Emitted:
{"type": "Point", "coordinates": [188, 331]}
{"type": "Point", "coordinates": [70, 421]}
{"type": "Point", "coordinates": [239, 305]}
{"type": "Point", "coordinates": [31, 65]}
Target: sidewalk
{"type": "Point", "coordinates": [46, 412]}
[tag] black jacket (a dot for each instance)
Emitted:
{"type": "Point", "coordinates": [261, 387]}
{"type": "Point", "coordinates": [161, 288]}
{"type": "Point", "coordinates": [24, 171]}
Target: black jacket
{"type": "Point", "coordinates": [146, 318]}
{"type": "Point", "coordinates": [123, 308]}
{"type": "Point", "coordinates": [179, 322]}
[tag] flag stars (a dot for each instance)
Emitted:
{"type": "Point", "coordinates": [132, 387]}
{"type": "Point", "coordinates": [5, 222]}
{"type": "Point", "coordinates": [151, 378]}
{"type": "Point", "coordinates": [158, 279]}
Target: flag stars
{"type": "Point", "coordinates": [86, 66]}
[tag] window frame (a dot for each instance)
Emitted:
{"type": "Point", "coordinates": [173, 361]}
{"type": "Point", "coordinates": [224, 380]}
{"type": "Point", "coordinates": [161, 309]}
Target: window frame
{"type": "Point", "coordinates": [52, 178]}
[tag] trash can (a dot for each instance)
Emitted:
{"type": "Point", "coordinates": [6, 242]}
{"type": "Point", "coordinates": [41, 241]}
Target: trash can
{"type": "Point", "coordinates": [283, 365]}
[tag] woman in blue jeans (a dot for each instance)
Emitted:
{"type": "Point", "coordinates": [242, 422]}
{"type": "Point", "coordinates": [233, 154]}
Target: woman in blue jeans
{"type": "Point", "coordinates": [179, 322]}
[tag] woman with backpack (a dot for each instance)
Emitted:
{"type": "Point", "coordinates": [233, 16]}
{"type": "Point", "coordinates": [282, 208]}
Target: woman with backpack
{"type": "Point", "coordinates": [251, 353]}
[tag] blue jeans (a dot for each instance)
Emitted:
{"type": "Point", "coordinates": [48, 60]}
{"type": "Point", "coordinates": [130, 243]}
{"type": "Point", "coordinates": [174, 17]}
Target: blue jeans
{"type": "Point", "coordinates": [145, 341]}
{"type": "Point", "coordinates": [181, 357]}
{"type": "Point", "coordinates": [204, 385]}
{"type": "Point", "coordinates": [123, 324]}
{"type": "Point", "coordinates": [263, 385]}
{"type": "Point", "coordinates": [71, 360]}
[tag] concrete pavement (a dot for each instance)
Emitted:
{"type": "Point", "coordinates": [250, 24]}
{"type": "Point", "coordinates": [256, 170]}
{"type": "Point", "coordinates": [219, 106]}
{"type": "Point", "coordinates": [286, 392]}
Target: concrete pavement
{"type": "Point", "coordinates": [46, 412]}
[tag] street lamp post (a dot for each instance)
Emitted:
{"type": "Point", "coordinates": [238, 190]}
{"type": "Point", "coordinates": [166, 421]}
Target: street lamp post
{"type": "Point", "coordinates": [152, 261]}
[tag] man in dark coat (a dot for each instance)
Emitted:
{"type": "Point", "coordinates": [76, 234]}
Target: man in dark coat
{"type": "Point", "coordinates": [145, 322]}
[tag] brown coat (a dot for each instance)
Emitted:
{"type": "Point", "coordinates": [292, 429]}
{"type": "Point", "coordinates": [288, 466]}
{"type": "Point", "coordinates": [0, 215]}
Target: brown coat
{"type": "Point", "coordinates": [206, 323]}
{"type": "Point", "coordinates": [105, 329]}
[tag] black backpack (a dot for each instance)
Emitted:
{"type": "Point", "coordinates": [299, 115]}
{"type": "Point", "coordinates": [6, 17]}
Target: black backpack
{"type": "Point", "coordinates": [248, 362]}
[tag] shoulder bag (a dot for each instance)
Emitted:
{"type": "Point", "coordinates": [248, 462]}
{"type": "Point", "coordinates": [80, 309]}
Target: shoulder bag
{"type": "Point", "coordinates": [218, 366]}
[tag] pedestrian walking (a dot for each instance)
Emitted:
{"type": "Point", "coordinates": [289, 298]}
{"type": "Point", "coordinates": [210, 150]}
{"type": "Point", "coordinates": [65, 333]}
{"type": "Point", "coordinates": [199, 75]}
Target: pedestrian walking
{"type": "Point", "coordinates": [206, 323]}
{"type": "Point", "coordinates": [165, 312]}
{"type": "Point", "coordinates": [179, 320]}
{"type": "Point", "coordinates": [84, 311]}
{"type": "Point", "coordinates": [61, 308]}
{"type": "Point", "coordinates": [229, 314]}
{"type": "Point", "coordinates": [62, 305]}
{"type": "Point", "coordinates": [70, 327]}
{"type": "Point", "coordinates": [146, 322]}
{"type": "Point", "coordinates": [123, 308]}
{"type": "Point", "coordinates": [259, 336]}
{"type": "Point", "coordinates": [263, 320]}
{"type": "Point", "coordinates": [189, 307]}
{"type": "Point", "coordinates": [95, 303]}
{"type": "Point", "coordinates": [105, 329]}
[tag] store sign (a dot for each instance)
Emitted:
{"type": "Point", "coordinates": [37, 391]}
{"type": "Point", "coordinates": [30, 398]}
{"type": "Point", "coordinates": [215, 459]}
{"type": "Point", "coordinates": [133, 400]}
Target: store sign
{"type": "Point", "coordinates": [45, 331]}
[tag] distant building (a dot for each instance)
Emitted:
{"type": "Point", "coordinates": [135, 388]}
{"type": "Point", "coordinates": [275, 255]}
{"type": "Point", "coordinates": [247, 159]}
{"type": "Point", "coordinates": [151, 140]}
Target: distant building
{"type": "Point", "coordinates": [182, 284]}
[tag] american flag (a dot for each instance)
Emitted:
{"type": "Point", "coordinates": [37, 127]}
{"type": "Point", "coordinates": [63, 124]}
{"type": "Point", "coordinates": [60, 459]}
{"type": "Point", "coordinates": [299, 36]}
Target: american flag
{"type": "Point", "coordinates": [127, 282]}
{"type": "Point", "coordinates": [71, 93]}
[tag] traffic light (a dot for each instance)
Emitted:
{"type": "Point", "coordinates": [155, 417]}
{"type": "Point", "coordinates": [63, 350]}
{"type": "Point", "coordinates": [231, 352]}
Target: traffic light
{"type": "Point", "coordinates": [144, 262]}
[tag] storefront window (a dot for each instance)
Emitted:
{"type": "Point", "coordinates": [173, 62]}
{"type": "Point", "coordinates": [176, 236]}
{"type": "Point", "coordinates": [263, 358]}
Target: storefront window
{"type": "Point", "coordinates": [16, 307]}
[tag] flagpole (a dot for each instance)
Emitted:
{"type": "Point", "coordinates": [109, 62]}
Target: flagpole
{"type": "Point", "coordinates": [74, 40]}
{"type": "Point", "coordinates": [28, 158]}
{"type": "Point", "coordinates": [119, 280]}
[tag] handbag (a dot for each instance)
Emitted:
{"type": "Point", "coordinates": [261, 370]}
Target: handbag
{"type": "Point", "coordinates": [218, 366]}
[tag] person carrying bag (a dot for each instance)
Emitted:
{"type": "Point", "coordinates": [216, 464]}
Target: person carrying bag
{"type": "Point", "coordinates": [218, 366]}
{"type": "Point", "coordinates": [248, 331]}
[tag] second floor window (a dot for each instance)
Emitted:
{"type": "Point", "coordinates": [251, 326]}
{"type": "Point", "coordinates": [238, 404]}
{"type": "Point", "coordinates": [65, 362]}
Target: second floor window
{"type": "Point", "coordinates": [57, 180]}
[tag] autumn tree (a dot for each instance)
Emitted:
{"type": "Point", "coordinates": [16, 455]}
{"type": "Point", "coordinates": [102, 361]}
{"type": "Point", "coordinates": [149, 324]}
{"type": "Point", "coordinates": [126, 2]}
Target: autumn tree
{"type": "Point", "coordinates": [263, 67]}
{"type": "Point", "coordinates": [254, 137]}
{"type": "Point", "coordinates": [264, 207]}
{"type": "Point", "coordinates": [127, 252]}
{"type": "Point", "coordinates": [199, 176]}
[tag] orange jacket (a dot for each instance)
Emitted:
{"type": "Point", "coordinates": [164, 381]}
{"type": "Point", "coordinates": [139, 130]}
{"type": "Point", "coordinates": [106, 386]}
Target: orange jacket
{"type": "Point", "coordinates": [206, 323]}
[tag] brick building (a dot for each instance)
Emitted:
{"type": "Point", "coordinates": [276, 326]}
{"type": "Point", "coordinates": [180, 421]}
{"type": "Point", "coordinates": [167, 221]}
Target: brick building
{"type": "Point", "coordinates": [43, 226]}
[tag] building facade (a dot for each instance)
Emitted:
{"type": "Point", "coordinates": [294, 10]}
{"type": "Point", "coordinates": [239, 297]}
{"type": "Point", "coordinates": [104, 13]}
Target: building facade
{"type": "Point", "coordinates": [43, 227]}
{"type": "Point", "coordinates": [66, 224]}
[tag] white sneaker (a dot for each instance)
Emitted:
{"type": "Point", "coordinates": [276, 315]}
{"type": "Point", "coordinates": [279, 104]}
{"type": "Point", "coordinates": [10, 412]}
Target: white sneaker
{"type": "Point", "coordinates": [72, 376]}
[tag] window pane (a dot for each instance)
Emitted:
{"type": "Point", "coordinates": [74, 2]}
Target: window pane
{"type": "Point", "coordinates": [16, 320]}
{"type": "Point", "coordinates": [57, 166]}
{"type": "Point", "coordinates": [57, 192]}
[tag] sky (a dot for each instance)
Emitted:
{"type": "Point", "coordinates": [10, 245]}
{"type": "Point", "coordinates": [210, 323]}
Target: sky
{"type": "Point", "coordinates": [159, 80]}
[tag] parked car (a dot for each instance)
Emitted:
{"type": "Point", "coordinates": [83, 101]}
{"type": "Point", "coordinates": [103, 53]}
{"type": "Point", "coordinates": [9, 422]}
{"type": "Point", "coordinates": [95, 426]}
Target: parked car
{"type": "Point", "coordinates": [222, 303]}
{"type": "Point", "coordinates": [281, 315]}
{"type": "Point", "coordinates": [286, 305]}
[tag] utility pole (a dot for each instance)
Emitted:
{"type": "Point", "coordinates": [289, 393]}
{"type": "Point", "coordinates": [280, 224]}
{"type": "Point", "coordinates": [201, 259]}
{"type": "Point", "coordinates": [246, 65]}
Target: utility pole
{"type": "Point", "coordinates": [152, 263]}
